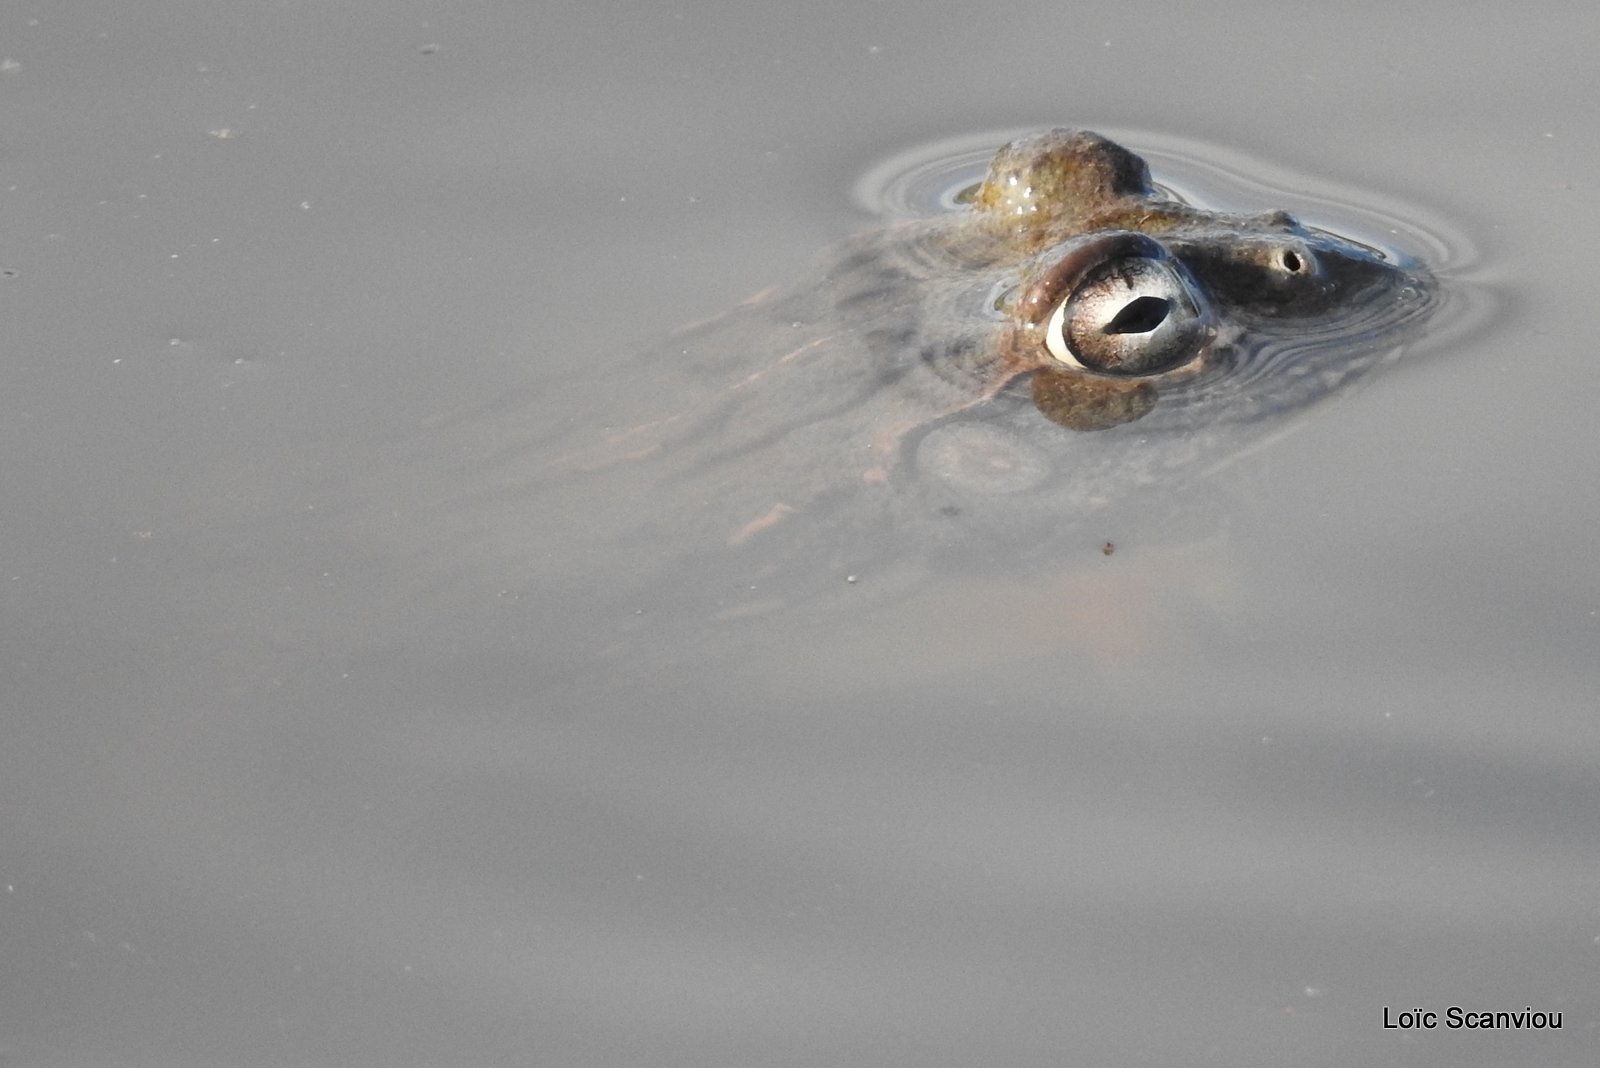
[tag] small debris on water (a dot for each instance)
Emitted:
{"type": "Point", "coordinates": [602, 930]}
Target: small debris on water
{"type": "Point", "coordinates": [1108, 548]}
{"type": "Point", "coordinates": [851, 579]}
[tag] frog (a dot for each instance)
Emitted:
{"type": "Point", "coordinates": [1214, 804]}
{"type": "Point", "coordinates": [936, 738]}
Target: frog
{"type": "Point", "coordinates": [1070, 334]}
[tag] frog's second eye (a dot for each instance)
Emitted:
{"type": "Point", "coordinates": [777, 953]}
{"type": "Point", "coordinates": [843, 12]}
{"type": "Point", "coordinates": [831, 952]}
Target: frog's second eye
{"type": "Point", "coordinates": [1135, 315]}
{"type": "Point", "coordinates": [1293, 262]}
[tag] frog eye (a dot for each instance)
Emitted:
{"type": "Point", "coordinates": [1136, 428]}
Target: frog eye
{"type": "Point", "coordinates": [1136, 314]}
{"type": "Point", "coordinates": [1292, 262]}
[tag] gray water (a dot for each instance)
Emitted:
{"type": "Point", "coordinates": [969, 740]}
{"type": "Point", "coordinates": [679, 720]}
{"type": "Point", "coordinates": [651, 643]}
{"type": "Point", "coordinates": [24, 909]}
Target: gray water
{"type": "Point", "coordinates": [283, 784]}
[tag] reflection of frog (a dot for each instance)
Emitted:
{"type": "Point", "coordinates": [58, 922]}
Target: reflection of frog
{"type": "Point", "coordinates": [923, 390]}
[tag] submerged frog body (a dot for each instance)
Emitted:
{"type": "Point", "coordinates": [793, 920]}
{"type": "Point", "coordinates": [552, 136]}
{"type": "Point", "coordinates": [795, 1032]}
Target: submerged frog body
{"type": "Point", "coordinates": [991, 373]}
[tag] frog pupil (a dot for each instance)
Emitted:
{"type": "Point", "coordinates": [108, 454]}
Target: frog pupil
{"type": "Point", "coordinates": [1291, 262]}
{"type": "Point", "coordinates": [1139, 316]}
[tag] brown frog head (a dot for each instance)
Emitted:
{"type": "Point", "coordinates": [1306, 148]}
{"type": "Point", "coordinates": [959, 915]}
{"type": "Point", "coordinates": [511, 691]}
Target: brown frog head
{"type": "Point", "coordinates": [1125, 293]}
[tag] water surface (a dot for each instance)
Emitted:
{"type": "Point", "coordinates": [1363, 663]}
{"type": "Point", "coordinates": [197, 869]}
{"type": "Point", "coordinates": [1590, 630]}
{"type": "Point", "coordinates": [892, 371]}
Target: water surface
{"type": "Point", "coordinates": [283, 786]}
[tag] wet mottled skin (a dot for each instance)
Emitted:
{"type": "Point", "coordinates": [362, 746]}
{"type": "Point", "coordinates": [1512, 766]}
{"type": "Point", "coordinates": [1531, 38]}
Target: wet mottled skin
{"type": "Point", "coordinates": [991, 374]}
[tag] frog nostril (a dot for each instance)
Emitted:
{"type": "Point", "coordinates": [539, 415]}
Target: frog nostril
{"type": "Point", "coordinates": [1139, 316]}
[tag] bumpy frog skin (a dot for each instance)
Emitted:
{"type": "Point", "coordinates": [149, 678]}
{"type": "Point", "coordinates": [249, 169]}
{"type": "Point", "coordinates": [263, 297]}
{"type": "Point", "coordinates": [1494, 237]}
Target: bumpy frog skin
{"type": "Point", "coordinates": [991, 374]}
